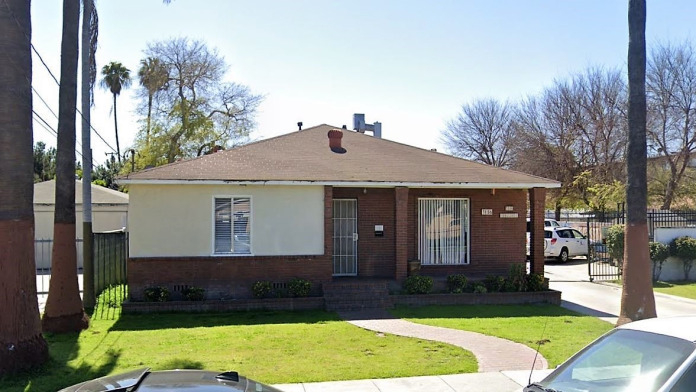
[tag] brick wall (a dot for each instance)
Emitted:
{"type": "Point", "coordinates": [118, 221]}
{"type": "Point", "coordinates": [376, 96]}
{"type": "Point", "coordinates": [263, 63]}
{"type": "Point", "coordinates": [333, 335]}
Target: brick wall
{"type": "Point", "coordinates": [224, 277]}
{"type": "Point", "coordinates": [495, 244]}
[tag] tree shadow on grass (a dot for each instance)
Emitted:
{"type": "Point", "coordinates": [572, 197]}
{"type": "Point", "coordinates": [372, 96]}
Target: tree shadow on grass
{"type": "Point", "coordinates": [58, 373]}
{"type": "Point", "coordinates": [154, 321]}
{"type": "Point", "coordinates": [183, 363]}
{"type": "Point", "coordinates": [673, 283]}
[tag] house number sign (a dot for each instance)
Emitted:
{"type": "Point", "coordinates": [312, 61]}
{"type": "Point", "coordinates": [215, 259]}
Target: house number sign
{"type": "Point", "coordinates": [486, 211]}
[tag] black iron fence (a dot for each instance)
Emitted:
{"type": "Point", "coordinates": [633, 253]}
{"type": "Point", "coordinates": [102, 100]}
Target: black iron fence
{"type": "Point", "coordinates": [602, 265]}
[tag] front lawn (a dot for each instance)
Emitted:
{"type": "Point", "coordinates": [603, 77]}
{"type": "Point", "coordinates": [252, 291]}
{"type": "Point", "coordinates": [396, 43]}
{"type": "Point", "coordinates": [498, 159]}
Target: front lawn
{"type": "Point", "coordinates": [682, 289]}
{"type": "Point", "coordinates": [561, 331]}
{"type": "Point", "coordinates": [272, 347]}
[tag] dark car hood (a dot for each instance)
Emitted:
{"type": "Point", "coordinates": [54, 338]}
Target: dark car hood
{"type": "Point", "coordinates": [175, 380]}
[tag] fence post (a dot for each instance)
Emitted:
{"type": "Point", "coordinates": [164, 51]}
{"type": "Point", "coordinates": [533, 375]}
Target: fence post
{"type": "Point", "coordinates": [88, 297]}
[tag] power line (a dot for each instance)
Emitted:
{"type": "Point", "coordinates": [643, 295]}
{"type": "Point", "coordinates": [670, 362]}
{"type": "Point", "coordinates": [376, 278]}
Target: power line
{"type": "Point", "coordinates": [9, 10]}
{"type": "Point", "coordinates": [79, 144]}
{"type": "Point", "coordinates": [76, 109]}
{"type": "Point", "coordinates": [50, 129]}
{"type": "Point", "coordinates": [44, 124]}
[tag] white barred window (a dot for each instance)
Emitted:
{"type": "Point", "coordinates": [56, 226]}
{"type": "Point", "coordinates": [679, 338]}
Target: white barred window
{"type": "Point", "coordinates": [232, 225]}
{"type": "Point", "coordinates": [443, 231]}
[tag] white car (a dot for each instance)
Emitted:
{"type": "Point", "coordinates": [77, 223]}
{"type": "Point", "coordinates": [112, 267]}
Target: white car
{"type": "Point", "coordinates": [564, 243]}
{"type": "Point", "coordinates": [654, 355]}
{"type": "Point", "coordinates": [547, 223]}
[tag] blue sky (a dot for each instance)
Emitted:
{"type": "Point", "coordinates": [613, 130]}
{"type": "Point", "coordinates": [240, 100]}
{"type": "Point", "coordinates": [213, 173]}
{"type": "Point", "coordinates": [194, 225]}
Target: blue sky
{"type": "Point", "coordinates": [408, 64]}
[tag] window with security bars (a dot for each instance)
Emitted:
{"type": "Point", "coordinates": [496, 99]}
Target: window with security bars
{"type": "Point", "coordinates": [443, 231]}
{"type": "Point", "coordinates": [232, 225]}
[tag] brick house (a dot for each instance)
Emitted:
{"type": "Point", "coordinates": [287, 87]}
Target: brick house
{"type": "Point", "coordinates": [327, 205]}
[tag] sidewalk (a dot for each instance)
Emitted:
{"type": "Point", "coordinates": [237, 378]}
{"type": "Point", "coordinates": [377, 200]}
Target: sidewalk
{"type": "Point", "coordinates": [505, 381]}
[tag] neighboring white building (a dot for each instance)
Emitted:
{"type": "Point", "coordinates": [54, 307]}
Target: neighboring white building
{"type": "Point", "coordinates": [109, 212]}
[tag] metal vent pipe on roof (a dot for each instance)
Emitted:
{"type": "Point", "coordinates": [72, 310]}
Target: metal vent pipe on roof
{"type": "Point", "coordinates": [360, 126]}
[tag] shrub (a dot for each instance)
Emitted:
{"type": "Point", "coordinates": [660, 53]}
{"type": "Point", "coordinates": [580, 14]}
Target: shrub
{"type": "Point", "coordinates": [156, 294]}
{"type": "Point", "coordinates": [299, 287]}
{"type": "Point", "coordinates": [494, 283]}
{"type": "Point", "coordinates": [615, 243]}
{"type": "Point", "coordinates": [193, 293]}
{"type": "Point", "coordinates": [480, 288]}
{"type": "Point", "coordinates": [418, 284]}
{"type": "Point", "coordinates": [262, 289]}
{"type": "Point", "coordinates": [658, 254]}
{"type": "Point", "coordinates": [517, 278]}
{"type": "Point", "coordinates": [685, 249]}
{"type": "Point", "coordinates": [536, 282]}
{"type": "Point", "coordinates": [456, 283]}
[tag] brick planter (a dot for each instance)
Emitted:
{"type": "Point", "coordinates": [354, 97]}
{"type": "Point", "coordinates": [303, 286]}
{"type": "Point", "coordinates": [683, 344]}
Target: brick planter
{"type": "Point", "coordinates": [309, 303]}
{"type": "Point", "coordinates": [551, 297]}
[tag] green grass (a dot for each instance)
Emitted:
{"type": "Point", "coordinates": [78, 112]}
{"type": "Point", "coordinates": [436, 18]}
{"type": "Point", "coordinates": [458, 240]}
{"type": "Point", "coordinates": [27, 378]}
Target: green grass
{"type": "Point", "coordinates": [562, 332]}
{"type": "Point", "coordinates": [681, 289]}
{"type": "Point", "coordinates": [686, 289]}
{"type": "Point", "coordinates": [272, 347]}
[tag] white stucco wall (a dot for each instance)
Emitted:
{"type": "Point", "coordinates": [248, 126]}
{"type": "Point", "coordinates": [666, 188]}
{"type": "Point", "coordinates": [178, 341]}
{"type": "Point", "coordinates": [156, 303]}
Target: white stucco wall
{"type": "Point", "coordinates": [672, 267]}
{"type": "Point", "coordinates": [177, 220]}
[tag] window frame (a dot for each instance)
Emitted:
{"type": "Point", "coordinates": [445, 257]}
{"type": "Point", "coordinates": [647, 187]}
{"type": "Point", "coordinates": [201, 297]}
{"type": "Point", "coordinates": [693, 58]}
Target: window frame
{"type": "Point", "coordinates": [467, 238]}
{"type": "Point", "coordinates": [251, 225]}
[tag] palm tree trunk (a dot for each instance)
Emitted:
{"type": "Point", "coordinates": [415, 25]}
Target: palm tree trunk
{"type": "Point", "coordinates": [118, 147]}
{"type": "Point", "coordinates": [637, 299]}
{"type": "Point", "coordinates": [64, 312]}
{"type": "Point", "coordinates": [22, 347]}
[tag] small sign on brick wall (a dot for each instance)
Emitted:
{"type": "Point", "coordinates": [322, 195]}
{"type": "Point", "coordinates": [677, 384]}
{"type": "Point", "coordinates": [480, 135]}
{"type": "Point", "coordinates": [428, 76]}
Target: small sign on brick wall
{"type": "Point", "coordinates": [509, 215]}
{"type": "Point", "coordinates": [486, 211]}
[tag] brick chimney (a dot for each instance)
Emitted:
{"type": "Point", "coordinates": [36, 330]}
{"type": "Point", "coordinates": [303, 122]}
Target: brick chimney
{"type": "Point", "coordinates": [335, 137]}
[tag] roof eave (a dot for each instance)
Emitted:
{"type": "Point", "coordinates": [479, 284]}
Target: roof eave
{"type": "Point", "coordinates": [351, 184]}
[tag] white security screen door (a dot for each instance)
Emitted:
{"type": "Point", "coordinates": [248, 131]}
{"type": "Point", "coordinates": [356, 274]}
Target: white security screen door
{"type": "Point", "coordinates": [345, 237]}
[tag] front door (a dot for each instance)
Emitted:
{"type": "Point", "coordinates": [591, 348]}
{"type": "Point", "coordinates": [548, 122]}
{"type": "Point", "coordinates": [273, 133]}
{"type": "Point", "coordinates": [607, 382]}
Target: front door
{"type": "Point", "coordinates": [345, 237]}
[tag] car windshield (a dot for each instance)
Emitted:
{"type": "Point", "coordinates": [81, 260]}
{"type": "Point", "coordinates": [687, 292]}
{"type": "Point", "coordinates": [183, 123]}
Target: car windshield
{"type": "Point", "coordinates": [623, 360]}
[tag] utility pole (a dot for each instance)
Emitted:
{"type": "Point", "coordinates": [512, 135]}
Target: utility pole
{"type": "Point", "coordinates": [88, 295]}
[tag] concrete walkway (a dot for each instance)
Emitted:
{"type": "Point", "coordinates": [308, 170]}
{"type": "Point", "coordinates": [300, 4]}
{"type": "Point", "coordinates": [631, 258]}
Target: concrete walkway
{"type": "Point", "coordinates": [493, 354]}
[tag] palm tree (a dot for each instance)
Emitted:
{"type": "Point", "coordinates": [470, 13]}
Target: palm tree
{"type": "Point", "coordinates": [64, 311]}
{"type": "Point", "coordinates": [22, 346]}
{"type": "Point", "coordinates": [115, 77]}
{"type": "Point", "coordinates": [153, 75]}
{"type": "Point", "coordinates": [637, 299]}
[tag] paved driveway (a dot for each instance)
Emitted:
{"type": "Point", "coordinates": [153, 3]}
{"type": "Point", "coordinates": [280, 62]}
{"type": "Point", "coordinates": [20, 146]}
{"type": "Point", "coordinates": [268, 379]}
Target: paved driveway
{"type": "Point", "coordinates": [602, 299]}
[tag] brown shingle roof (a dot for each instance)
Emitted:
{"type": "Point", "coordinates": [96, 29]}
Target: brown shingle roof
{"type": "Point", "coordinates": [305, 156]}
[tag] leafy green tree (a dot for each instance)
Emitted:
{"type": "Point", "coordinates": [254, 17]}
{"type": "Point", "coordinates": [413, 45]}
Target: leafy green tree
{"type": "Point", "coordinates": [198, 109]}
{"type": "Point", "coordinates": [22, 346]}
{"type": "Point", "coordinates": [685, 249]}
{"type": "Point", "coordinates": [659, 252]}
{"type": "Point", "coordinates": [44, 162]}
{"type": "Point", "coordinates": [114, 78]}
{"type": "Point", "coordinates": [104, 175]}
{"type": "Point", "coordinates": [153, 76]}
